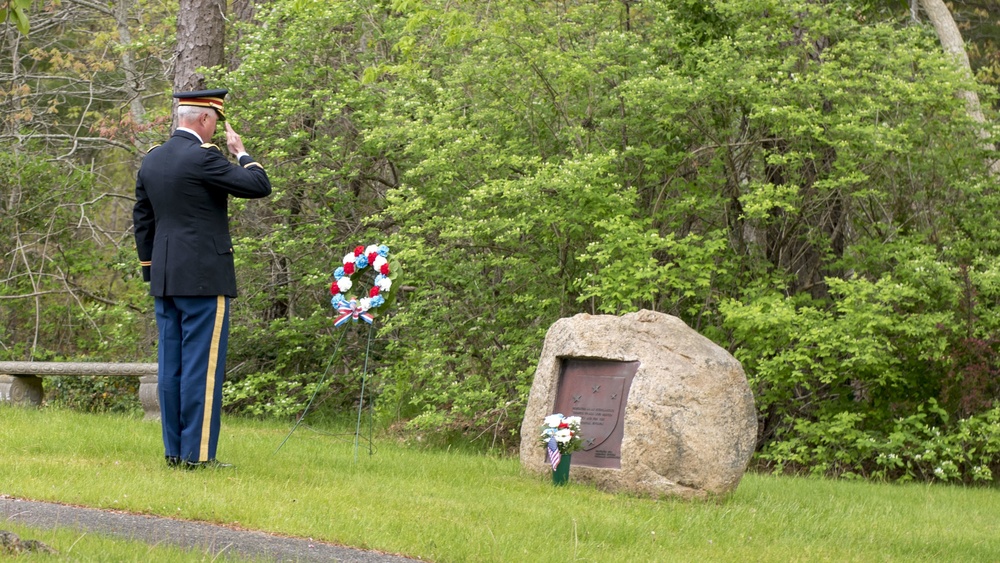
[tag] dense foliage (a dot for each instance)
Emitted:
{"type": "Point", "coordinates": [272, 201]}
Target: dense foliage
{"type": "Point", "coordinates": [796, 180]}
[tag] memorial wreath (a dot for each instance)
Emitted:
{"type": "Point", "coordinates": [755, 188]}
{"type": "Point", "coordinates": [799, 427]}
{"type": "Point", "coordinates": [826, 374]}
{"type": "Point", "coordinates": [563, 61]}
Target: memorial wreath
{"type": "Point", "coordinates": [354, 263]}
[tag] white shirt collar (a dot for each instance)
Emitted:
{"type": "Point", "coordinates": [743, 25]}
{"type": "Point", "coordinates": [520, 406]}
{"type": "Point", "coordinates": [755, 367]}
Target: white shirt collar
{"type": "Point", "coordinates": [185, 129]}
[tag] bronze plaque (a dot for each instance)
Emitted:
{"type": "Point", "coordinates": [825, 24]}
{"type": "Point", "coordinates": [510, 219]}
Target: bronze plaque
{"type": "Point", "coordinates": [596, 391]}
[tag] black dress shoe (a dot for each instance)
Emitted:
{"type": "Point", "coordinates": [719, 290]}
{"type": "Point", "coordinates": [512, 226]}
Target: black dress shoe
{"type": "Point", "coordinates": [210, 464]}
{"type": "Point", "coordinates": [173, 460]}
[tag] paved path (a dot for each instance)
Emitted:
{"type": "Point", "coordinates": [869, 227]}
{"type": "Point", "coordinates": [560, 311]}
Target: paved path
{"type": "Point", "coordinates": [207, 538]}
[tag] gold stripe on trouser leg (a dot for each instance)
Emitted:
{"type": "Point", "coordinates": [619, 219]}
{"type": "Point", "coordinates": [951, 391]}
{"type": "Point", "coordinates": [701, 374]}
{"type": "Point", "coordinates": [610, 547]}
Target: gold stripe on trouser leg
{"type": "Point", "coordinates": [213, 363]}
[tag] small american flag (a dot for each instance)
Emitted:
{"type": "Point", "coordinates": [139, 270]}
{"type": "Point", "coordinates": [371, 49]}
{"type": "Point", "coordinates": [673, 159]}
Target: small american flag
{"type": "Point", "coordinates": [553, 451]}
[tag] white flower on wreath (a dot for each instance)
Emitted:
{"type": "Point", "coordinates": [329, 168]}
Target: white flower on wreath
{"type": "Point", "coordinates": [344, 284]}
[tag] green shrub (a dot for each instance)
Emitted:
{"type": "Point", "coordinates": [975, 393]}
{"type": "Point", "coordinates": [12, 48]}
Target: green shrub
{"type": "Point", "coordinates": [922, 446]}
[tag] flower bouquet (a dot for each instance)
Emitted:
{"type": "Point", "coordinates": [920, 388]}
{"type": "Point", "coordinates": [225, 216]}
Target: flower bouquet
{"type": "Point", "coordinates": [560, 437]}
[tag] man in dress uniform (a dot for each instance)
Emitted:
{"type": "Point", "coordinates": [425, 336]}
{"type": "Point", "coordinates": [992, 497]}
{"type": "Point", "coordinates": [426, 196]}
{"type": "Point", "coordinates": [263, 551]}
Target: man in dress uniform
{"type": "Point", "coordinates": [182, 237]}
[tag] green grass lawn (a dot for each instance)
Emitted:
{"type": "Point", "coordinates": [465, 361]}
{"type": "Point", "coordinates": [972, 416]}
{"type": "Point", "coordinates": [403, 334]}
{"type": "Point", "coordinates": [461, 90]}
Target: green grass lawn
{"type": "Point", "coordinates": [452, 506]}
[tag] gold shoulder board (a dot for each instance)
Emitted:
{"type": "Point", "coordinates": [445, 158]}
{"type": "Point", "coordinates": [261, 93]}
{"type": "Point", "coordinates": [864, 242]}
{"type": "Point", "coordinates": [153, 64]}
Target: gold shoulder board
{"type": "Point", "coordinates": [210, 146]}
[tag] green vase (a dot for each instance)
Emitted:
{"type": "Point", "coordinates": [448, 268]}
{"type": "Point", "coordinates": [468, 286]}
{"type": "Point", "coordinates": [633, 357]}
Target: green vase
{"type": "Point", "coordinates": [561, 475]}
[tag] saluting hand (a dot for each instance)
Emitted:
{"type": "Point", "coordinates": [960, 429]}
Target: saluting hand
{"type": "Point", "coordinates": [233, 141]}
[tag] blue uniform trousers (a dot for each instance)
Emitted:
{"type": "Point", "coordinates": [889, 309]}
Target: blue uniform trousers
{"type": "Point", "coordinates": [194, 335]}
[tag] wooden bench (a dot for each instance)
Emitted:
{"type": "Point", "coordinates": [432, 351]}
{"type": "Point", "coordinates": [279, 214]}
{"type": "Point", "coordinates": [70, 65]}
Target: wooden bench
{"type": "Point", "coordinates": [20, 383]}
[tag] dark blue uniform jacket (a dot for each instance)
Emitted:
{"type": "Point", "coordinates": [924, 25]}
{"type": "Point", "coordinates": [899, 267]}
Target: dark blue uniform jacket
{"type": "Point", "coordinates": [182, 219]}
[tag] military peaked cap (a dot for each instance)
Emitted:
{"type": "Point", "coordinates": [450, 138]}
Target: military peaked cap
{"type": "Point", "coordinates": [203, 98]}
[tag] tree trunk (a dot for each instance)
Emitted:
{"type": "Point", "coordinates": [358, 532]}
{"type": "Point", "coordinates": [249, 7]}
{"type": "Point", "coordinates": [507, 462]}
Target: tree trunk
{"type": "Point", "coordinates": [201, 34]}
{"type": "Point", "coordinates": [244, 11]}
{"type": "Point", "coordinates": [951, 39]}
